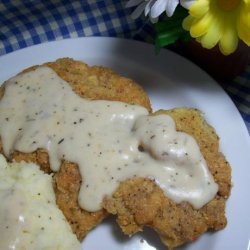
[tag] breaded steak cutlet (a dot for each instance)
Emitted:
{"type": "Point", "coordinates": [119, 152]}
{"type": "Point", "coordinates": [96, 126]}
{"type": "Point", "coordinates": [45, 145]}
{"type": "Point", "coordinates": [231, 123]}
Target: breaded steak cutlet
{"type": "Point", "coordinates": [140, 202]}
{"type": "Point", "coordinates": [137, 202]}
{"type": "Point", "coordinates": [93, 83]}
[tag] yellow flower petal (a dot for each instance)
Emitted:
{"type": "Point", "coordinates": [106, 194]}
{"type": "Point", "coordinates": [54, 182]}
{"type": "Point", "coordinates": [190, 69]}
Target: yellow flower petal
{"type": "Point", "coordinates": [200, 26]}
{"type": "Point", "coordinates": [213, 35]}
{"type": "Point", "coordinates": [229, 39]}
{"type": "Point", "coordinates": [243, 25]}
{"type": "Point", "coordinates": [198, 39]}
{"type": "Point", "coordinates": [199, 8]}
{"type": "Point", "coordinates": [187, 23]}
{"type": "Point", "coordinates": [210, 24]}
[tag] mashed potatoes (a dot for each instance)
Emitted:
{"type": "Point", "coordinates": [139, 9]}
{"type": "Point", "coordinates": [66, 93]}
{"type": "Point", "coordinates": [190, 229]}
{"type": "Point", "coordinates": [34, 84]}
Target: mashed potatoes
{"type": "Point", "coordinates": [29, 217]}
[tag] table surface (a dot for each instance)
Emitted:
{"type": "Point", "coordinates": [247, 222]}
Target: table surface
{"type": "Point", "coordinates": [29, 22]}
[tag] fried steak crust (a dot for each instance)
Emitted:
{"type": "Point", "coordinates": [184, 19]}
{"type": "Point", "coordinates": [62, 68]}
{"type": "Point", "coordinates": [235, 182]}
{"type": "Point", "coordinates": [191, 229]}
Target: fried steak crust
{"type": "Point", "coordinates": [137, 202]}
{"type": "Point", "coordinates": [140, 202]}
{"type": "Point", "coordinates": [96, 83]}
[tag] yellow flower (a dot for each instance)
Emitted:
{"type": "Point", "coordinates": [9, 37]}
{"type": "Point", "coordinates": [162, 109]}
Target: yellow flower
{"type": "Point", "coordinates": [219, 21]}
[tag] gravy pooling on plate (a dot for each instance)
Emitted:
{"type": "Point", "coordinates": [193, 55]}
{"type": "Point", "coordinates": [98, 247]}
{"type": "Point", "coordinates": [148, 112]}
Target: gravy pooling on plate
{"type": "Point", "coordinates": [110, 141]}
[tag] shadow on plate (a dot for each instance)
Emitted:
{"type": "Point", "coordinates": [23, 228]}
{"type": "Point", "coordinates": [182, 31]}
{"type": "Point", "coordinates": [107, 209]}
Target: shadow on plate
{"type": "Point", "coordinates": [148, 237]}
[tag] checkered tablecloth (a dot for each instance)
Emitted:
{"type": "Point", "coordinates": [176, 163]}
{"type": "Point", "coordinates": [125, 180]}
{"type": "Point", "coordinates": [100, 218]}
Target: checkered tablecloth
{"type": "Point", "coordinates": [28, 22]}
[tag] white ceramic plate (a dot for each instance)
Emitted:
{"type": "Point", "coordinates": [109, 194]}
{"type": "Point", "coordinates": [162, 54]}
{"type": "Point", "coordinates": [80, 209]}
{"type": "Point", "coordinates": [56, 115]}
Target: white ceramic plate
{"type": "Point", "coordinates": [170, 81]}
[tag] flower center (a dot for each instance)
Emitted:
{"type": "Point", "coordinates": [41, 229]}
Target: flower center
{"type": "Point", "coordinates": [228, 5]}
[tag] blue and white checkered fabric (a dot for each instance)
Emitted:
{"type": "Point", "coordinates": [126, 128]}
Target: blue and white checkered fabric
{"type": "Point", "coordinates": [27, 22]}
{"type": "Point", "coordinates": [239, 90]}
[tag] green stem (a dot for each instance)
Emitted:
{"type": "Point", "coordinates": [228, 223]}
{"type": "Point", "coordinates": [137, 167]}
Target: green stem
{"type": "Point", "coordinates": [170, 30]}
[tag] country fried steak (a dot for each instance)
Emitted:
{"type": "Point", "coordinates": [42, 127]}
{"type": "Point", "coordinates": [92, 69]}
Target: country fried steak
{"type": "Point", "coordinates": [137, 202]}
{"type": "Point", "coordinates": [140, 202]}
{"type": "Point", "coordinates": [93, 83]}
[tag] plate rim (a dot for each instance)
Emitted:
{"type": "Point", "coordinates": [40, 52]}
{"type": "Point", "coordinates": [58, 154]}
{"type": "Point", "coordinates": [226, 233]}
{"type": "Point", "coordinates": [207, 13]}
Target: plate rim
{"type": "Point", "coordinates": [139, 43]}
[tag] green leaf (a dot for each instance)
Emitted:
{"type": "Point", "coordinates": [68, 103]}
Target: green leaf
{"type": "Point", "coordinates": [169, 30]}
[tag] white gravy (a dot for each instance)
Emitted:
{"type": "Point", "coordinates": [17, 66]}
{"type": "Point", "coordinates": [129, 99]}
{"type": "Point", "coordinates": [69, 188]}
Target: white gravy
{"type": "Point", "coordinates": [110, 141]}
